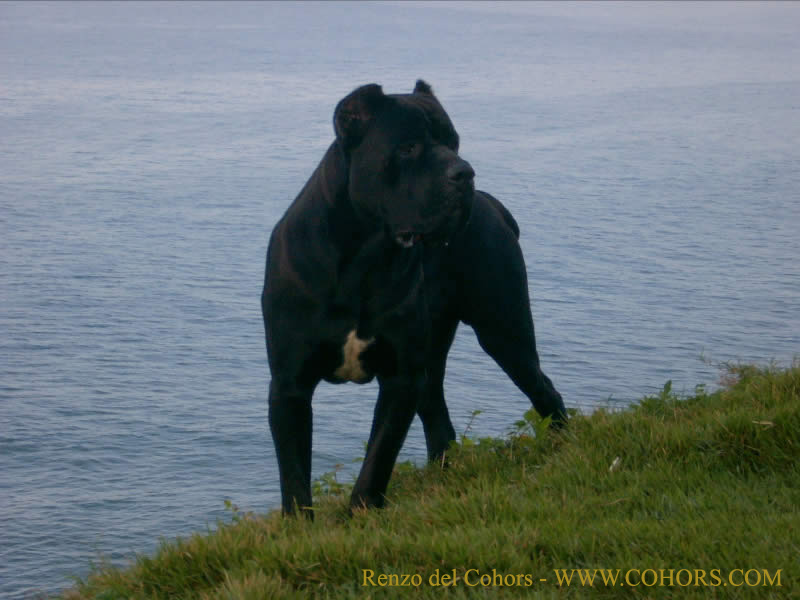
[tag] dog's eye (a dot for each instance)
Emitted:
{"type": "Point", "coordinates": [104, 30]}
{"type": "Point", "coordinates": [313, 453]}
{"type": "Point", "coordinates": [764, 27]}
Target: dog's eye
{"type": "Point", "coordinates": [408, 150]}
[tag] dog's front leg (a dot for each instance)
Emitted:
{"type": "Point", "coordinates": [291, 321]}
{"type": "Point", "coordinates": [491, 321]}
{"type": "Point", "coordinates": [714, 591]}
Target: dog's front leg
{"type": "Point", "coordinates": [290, 421]}
{"type": "Point", "coordinates": [397, 401]}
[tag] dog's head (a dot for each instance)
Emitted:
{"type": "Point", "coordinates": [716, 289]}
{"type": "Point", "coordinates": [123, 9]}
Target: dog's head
{"type": "Point", "coordinates": [404, 171]}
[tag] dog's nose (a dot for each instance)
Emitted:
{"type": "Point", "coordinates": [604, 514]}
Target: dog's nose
{"type": "Point", "coordinates": [460, 171]}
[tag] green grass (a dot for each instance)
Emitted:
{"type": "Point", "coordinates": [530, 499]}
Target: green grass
{"type": "Point", "coordinates": [709, 482]}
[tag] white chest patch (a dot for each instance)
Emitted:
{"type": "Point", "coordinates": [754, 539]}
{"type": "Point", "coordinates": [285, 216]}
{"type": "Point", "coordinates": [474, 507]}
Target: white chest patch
{"type": "Point", "coordinates": [351, 368]}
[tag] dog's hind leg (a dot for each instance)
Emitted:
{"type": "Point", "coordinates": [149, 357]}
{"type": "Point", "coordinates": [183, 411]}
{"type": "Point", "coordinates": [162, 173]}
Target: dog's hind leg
{"type": "Point", "coordinates": [510, 340]}
{"type": "Point", "coordinates": [521, 364]}
{"type": "Point", "coordinates": [498, 308]}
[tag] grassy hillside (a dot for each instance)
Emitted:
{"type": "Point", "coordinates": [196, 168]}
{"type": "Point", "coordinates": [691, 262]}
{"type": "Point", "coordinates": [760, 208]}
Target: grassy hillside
{"type": "Point", "coordinates": [691, 497]}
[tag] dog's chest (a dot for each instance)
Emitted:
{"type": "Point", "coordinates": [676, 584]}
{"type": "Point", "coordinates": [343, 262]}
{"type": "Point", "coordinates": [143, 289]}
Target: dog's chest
{"type": "Point", "coordinates": [376, 343]}
{"type": "Point", "coordinates": [352, 368]}
{"type": "Point", "coordinates": [378, 316]}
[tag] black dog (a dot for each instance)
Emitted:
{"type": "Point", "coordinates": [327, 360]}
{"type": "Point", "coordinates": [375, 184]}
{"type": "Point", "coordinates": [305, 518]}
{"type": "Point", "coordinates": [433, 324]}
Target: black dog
{"type": "Point", "coordinates": [387, 247]}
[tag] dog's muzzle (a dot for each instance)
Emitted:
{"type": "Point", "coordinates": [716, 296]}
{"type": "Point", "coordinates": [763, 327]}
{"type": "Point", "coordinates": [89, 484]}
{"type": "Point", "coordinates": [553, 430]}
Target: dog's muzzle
{"type": "Point", "coordinates": [458, 193]}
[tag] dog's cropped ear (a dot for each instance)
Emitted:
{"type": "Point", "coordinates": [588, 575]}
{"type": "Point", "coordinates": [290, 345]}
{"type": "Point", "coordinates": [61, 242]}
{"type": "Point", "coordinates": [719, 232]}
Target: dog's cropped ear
{"type": "Point", "coordinates": [441, 125]}
{"type": "Point", "coordinates": [423, 88]}
{"type": "Point", "coordinates": [354, 113]}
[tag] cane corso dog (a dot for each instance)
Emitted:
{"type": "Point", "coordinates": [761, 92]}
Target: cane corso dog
{"type": "Point", "coordinates": [384, 251]}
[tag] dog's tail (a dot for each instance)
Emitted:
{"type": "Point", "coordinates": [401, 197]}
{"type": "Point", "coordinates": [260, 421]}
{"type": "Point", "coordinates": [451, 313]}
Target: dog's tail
{"type": "Point", "coordinates": [507, 217]}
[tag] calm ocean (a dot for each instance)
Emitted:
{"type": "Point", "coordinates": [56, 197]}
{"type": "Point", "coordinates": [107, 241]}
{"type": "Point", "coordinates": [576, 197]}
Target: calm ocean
{"type": "Point", "coordinates": [649, 152]}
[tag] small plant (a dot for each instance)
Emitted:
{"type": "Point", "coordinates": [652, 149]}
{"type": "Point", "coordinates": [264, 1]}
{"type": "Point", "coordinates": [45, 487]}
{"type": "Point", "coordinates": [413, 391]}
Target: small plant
{"type": "Point", "coordinates": [236, 514]}
{"type": "Point", "coordinates": [328, 485]}
{"type": "Point", "coordinates": [528, 432]}
{"type": "Point", "coordinates": [464, 440]}
{"type": "Point", "coordinates": [531, 425]}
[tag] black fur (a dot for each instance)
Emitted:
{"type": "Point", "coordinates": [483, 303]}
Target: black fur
{"type": "Point", "coordinates": [389, 245]}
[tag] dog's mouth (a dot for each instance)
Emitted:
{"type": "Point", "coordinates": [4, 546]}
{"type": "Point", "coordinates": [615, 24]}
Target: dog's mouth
{"type": "Point", "coordinates": [407, 239]}
{"type": "Point", "coordinates": [434, 236]}
{"type": "Point", "coordinates": [433, 232]}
